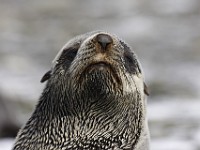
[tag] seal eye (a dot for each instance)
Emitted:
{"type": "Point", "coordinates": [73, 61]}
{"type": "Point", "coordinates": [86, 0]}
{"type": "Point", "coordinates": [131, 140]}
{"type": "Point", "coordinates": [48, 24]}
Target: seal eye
{"type": "Point", "coordinates": [130, 62]}
{"type": "Point", "coordinates": [66, 57]}
{"type": "Point", "coordinates": [69, 54]}
{"type": "Point", "coordinates": [128, 58]}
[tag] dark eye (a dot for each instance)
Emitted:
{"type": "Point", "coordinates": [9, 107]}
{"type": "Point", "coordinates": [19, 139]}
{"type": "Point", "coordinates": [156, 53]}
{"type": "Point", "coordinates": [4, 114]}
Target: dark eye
{"type": "Point", "coordinates": [70, 54]}
{"type": "Point", "coordinates": [130, 62]}
{"type": "Point", "coordinates": [67, 56]}
{"type": "Point", "coordinates": [128, 58]}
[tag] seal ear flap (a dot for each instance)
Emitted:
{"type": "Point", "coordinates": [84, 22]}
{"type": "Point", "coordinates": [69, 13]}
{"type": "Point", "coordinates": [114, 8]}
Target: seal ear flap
{"type": "Point", "coordinates": [46, 76]}
{"type": "Point", "coordinates": [146, 90]}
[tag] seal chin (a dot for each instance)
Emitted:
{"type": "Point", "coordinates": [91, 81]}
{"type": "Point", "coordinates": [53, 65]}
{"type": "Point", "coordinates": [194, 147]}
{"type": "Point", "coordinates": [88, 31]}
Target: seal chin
{"type": "Point", "coordinates": [103, 67]}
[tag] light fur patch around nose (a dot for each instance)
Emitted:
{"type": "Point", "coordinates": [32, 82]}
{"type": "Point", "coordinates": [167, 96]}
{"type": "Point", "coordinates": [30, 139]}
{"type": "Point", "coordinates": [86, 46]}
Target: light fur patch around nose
{"type": "Point", "coordinates": [99, 57]}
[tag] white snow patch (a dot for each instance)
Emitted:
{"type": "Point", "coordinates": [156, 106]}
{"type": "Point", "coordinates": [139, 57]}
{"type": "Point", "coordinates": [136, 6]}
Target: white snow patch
{"type": "Point", "coordinates": [6, 144]}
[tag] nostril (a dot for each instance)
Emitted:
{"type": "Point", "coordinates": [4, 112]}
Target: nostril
{"type": "Point", "coordinates": [104, 40]}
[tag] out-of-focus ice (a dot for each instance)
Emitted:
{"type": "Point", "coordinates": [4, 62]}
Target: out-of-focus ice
{"type": "Point", "coordinates": [174, 124]}
{"type": "Point", "coordinates": [6, 144]}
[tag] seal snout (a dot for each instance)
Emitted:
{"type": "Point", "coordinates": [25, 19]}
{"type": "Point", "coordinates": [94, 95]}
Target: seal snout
{"type": "Point", "coordinates": [104, 40]}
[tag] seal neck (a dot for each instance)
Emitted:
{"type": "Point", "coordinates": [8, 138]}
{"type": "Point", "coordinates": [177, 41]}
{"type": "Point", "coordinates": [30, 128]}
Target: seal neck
{"type": "Point", "coordinates": [54, 101]}
{"type": "Point", "coordinates": [112, 115]}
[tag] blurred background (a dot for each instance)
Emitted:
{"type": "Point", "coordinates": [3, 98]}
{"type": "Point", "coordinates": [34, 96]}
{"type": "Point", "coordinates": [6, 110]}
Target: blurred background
{"type": "Point", "coordinates": [165, 34]}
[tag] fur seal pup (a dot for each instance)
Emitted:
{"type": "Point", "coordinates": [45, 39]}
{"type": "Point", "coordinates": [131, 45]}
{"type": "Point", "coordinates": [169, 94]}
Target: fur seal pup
{"type": "Point", "coordinates": [94, 99]}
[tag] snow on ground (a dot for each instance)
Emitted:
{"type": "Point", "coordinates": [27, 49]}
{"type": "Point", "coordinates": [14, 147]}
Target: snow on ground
{"type": "Point", "coordinates": [6, 144]}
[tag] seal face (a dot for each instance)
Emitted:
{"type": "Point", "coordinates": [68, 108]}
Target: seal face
{"type": "Point", "coordinates": [94, 99]}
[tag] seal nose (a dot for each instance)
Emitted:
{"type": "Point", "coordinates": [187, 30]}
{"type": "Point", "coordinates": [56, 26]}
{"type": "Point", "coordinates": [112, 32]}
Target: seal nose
{"type": "Point", "coordinates": [104, 40]}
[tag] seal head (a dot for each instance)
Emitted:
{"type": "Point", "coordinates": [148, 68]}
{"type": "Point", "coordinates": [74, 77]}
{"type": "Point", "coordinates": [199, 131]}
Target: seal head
{"type": "Point", "coordinates": [94, 60]}
{"type": "Point", "coordinates": [94, 99]}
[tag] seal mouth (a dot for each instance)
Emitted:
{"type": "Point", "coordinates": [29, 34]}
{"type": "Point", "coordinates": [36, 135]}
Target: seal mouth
{"type": "Point", "coordinates": [102, 66]}
{"type": "Point", "coordinates": [99, 66]}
